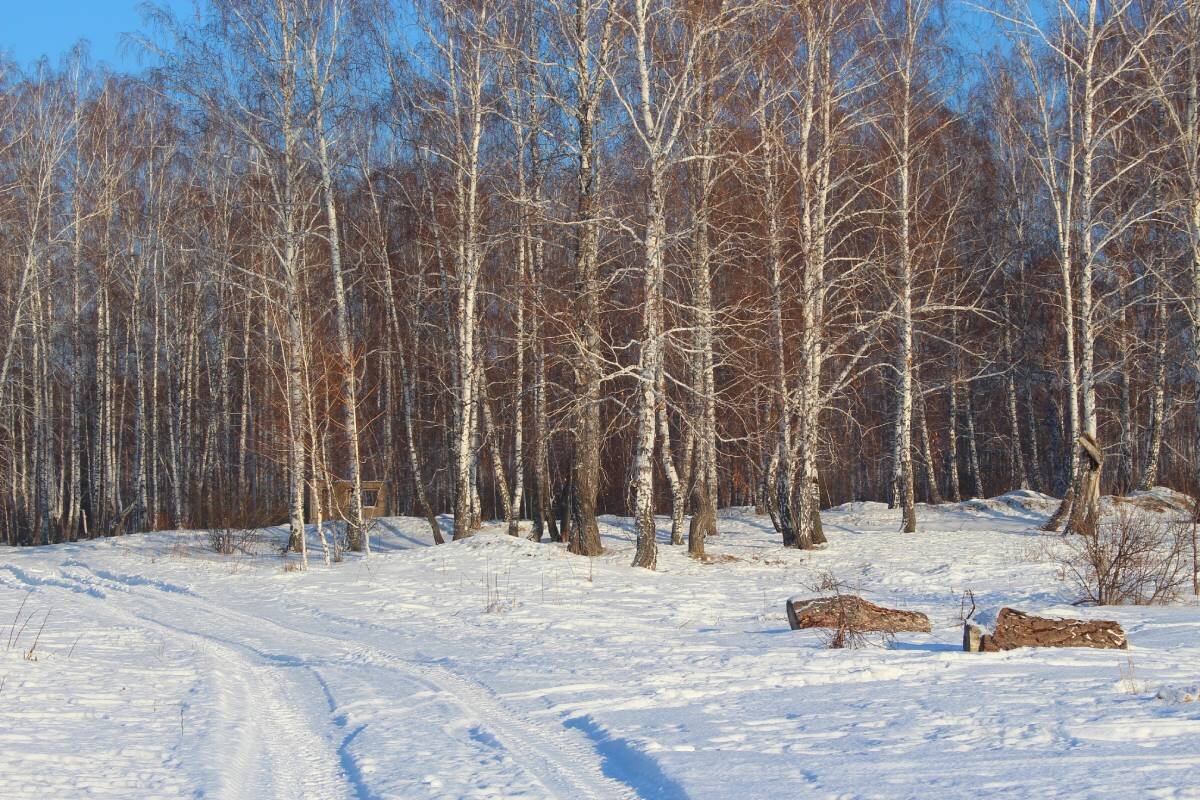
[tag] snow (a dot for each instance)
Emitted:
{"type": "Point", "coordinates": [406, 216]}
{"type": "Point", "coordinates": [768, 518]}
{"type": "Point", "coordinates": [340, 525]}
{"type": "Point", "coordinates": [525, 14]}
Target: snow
{"type": "Point", "coordinates": [500, 668]}
{"type": "Point", "coordinates": [1179, 694]}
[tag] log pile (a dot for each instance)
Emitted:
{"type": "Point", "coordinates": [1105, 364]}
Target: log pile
{"type": "Point", "coordinates": [1017, 629]}
{"type": "Point", "coordinates": [852, 613]}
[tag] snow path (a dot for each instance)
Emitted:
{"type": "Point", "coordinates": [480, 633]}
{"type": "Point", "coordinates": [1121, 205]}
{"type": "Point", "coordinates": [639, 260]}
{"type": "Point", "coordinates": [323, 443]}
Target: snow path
{"type": "Point", "coordinates": [499, 668]}
{"type": "Point", "coordinates": [278, 751]}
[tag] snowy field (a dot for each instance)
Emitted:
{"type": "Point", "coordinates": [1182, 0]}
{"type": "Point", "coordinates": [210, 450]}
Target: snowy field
{"type": "Point", "coordinates": [499, 668]}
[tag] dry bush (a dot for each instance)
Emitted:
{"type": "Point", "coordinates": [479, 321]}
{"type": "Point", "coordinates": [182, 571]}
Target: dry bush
{"type": "Point", "coordinates": [1040, 550]}
{"type": "Point", "coordinates": [228, 541]}
{"type": "Point", "coordinates": [223, 509]}
{"type": "Point", "coordinates": [238, 529]}
{"type": "Point", "coordinates": [1133, 558]}
{"type": "Point", "coordinates": [846, 634]}
{"type": "Point", "coordinates": [826, 581]}
{"type": "Point", "coordinates": [966, 606]}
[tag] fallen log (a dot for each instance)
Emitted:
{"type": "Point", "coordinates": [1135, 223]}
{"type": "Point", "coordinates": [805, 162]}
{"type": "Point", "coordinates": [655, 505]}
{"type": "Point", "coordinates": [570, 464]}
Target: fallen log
{"type": "Point", "coordinates": [1017, 629]}
{"type": "Point", "coordinates": [852, 613]}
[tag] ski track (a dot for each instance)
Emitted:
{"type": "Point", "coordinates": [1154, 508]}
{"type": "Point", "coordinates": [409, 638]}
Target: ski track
{"type": "Point", "coordinates": [562, 760]}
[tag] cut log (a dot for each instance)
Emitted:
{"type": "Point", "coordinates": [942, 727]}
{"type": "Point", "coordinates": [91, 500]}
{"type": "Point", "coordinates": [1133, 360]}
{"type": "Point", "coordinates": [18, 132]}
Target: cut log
{"type": "Point", "coordinates": [1017, 629]}
{"type": "Point", "coordinates": [852, 613]}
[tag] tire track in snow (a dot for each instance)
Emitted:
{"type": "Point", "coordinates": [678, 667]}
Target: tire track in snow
{"type": "Point", "coordinates": [282, 756]}
{"type": "Point", "coordinates": [568, 767]}
{"type": "Point", "coordinates": [563, 760]}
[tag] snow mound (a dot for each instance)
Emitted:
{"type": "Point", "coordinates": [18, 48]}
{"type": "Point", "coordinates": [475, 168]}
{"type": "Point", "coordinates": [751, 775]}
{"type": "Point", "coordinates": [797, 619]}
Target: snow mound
{"type": "Point", "coordinates": [1179, 694]}
{"type": "Point", "coordinates": [860, 507]}
{"type": "Point", "coordinates": [736, 512]}
{"type": "Point", "coordinates": [1022, 501]}
{"type": "Point", "coordinates": [496, 541]}
{"type": "Point", "coordinates": [1160, 499]}
{"type": "Point", "coordinates": [1029, 499]}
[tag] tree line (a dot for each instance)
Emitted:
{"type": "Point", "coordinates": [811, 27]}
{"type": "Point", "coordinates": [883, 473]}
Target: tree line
{"type": "Point", "coordinates": [547, 259]}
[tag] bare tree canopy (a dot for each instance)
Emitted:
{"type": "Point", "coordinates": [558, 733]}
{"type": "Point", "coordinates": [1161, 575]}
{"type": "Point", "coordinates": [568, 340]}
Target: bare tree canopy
{"type": "Point", "coordinates": [540, 260]}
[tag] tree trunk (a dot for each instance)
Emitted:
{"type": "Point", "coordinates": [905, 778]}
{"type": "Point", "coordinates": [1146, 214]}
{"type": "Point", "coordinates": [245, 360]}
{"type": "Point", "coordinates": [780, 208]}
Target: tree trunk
{"type": "Point", "coordinates": [590, 59]}
{"type": "Point", "coordinates": [650, 365]}
{"type": "Point", "coordinates": [1019, 478]}
{"type": "Point", "coordinates": [1035, 462]}
{"type": "Point", "coordinates": [1125, 477]}
{"type": "Point", "coordinates": [972, 447]}
{"type": "Point", "coordinates": [356, 531]}
{"type": "Point", "coordinates": [952, 443]}
{"type": "Point", "coordinates": [935, 497]}
{"type": "Point", "coordinates": [668, 462]}
{"type": "Point", "coordinates": [1158, 399]}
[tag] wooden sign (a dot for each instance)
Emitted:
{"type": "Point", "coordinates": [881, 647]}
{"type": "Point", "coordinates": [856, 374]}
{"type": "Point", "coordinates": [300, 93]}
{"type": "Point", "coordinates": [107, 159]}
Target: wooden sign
{"type": "Point", "coordinates": [375, 498]}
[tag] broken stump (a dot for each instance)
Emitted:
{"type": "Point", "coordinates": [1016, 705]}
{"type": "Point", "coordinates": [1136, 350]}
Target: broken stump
{"type": "Point", "coordinates": [972, 637]}
{"type": "Point", "coordinates": [853, 613]}
{"type": "Point", "coordinates": [1017, 629]}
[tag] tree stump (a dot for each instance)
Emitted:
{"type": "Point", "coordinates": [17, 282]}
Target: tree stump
{"type": "Point", "coordinates": [1086, 509]}
{"type": "Point", "coordinates": [1080, 507]}
{"type": "Point", "coordinates": [852, 613]}
{"type": "Point", "coordinates": [1018, 629]}
{"type": "Point", "coordinates": [972, 637]}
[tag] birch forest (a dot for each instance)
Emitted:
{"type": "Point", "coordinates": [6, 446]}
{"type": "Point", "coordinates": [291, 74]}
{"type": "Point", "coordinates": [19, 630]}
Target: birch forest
{"type": "Point", "coordinates": [544, 260]}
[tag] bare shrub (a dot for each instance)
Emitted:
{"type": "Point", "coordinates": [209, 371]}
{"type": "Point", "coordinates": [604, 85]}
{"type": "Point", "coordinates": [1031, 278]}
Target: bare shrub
{"type": "Point", "coordinates": [826, 581]}
{"type": "Point", "coordinates": [240, 529]}
{"type": "Point", "coordinates": [1040, 550]}
{"type": "Point", "coordinates": [846, 633]}
{"type": "Point", "coordinates": [227, 541]}
{"type": "Point", "coordinates": [966, 606]}
{"type": "Point", "coordinates": [220, 541]}
{"type": "Point", "coordinates": [1133, 558]}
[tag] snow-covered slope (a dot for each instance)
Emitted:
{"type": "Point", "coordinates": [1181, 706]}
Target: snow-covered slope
{"type": "Point", "coordinates": [496, 667]}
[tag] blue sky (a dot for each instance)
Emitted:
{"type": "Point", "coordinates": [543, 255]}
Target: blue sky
{"type": "Point", "coordinates": [30, 29]}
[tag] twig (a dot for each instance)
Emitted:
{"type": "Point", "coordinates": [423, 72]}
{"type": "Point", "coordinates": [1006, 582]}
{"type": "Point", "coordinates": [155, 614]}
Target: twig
{"type": "Point", "coordinates": [24, 625]}
{"type": "Point", "coordinates": [13, 627]}
{"type": "Point", "coordinates": [967, 595]}
{"type": "Point", "coordinates": [29, 656]}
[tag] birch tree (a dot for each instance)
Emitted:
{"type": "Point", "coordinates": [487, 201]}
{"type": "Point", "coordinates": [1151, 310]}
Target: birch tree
{"type": "Point", "coordinates": [655, 102]}
{"type": "Point", "coordinates": [324, 28]}
{"type": "Point", "coordinates": [1091, 49]}
{"type": "Point", "coordinates": [906, 126]}
{"type": "Point", "coordinates": [463, 68]}
{"type": "Point", "coordinates": [584, 43]}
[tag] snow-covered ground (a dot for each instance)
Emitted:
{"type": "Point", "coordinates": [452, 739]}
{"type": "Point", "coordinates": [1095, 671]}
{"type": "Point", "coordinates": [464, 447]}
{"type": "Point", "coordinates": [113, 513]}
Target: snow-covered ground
{"type": "Point", "coordinates": [499, 668]}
